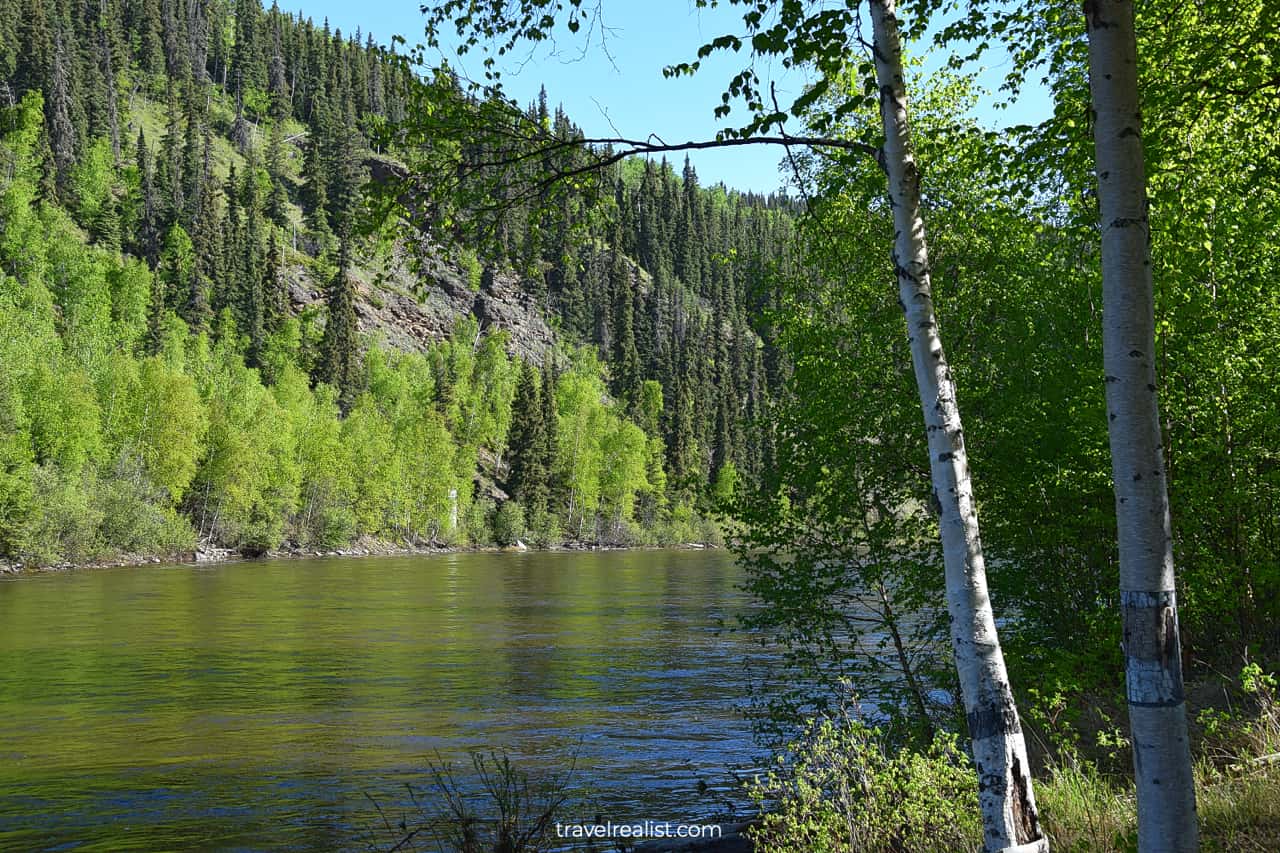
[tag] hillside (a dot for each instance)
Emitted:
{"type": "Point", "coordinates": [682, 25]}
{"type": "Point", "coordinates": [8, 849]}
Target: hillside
{"type": "Point", "coordinates": [212, 335]}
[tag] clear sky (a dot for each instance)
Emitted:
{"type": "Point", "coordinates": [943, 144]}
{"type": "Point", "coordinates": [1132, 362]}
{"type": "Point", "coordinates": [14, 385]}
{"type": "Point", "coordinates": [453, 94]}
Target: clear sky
{"type": "Point", "coordinates": [624, 93]}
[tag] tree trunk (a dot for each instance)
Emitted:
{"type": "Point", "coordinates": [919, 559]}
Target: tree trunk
{"type": "Point", "coordinates": [1009, 817]}
{"type": "Point", "coordinates": [1149, 614]}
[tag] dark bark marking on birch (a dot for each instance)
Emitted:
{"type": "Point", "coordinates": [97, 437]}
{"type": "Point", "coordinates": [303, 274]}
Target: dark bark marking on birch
{"type": "Point", "coordinates": [1024, 814]}
{"type": "Point", "coordinates": [993, 782]}
{"type": "Point", "coordinates": [992, 720]}
{"type": "Point", "coordinates": [1153, 659]}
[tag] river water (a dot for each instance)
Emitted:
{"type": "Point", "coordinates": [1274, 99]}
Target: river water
{"type": "Point", "coordinates": [266, 705]}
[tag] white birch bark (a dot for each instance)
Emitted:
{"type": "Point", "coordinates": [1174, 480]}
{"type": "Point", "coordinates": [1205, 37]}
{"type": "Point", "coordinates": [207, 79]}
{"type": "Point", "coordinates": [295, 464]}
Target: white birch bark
{"type": "Point", "coordinates": [1009, 817]}
{"type": "Point", "coordinates": [1149, 614]}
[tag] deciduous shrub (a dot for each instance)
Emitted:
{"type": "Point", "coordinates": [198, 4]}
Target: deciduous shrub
{"type": "Point", "coordinates": [840, 788]}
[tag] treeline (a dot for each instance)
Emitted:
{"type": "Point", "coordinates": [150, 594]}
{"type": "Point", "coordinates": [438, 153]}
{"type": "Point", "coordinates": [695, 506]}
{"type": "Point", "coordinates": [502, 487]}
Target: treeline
{"type": "Point", "coordinates": [109, 448]}
{"type": "Point", "coordinates": [172, 168]}
{"type": "Point", "coordinates": [672, 282]}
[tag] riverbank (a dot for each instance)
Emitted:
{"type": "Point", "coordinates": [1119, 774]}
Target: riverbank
{"type": "Point", "coordinates": [364, 548]}
{"type": "Point", "coordinates": [1084, 809]}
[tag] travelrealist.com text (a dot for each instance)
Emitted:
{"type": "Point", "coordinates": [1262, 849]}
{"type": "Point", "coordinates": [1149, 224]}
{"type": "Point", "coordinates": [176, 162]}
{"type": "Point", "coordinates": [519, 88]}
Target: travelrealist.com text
{"type": "Point", "coordinates": [643, 829]}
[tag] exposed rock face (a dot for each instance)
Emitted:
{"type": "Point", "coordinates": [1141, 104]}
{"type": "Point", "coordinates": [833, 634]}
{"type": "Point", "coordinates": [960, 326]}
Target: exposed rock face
{"type": "Point", "coordinates": [410, 312]}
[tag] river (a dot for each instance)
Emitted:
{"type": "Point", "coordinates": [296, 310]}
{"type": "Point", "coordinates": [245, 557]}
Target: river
{"type": "Point", "coordinates": [263, 705]}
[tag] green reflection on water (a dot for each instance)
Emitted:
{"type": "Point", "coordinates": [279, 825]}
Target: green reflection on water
{"type": "Point", "coordinates": [251, 706]}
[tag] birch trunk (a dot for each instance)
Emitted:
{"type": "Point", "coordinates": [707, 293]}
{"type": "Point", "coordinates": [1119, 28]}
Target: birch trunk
{"type": "Point", "coordinates": [1009, 817]}
{"type": "Point", "coordinates": [1149, 614]}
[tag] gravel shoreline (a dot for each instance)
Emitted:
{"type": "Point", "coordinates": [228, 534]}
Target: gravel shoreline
{"type": "Point", "coordinates": [209, 554]}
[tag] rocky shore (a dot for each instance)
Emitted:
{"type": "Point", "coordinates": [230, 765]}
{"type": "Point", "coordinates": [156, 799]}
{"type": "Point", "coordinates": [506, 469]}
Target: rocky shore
{"type": "Point", "coordinates": [208, 554]}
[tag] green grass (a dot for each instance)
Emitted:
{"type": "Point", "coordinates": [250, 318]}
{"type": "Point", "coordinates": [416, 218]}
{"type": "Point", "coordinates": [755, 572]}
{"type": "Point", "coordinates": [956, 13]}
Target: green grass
{"type": "Point", "coordinates": [1081, 810]}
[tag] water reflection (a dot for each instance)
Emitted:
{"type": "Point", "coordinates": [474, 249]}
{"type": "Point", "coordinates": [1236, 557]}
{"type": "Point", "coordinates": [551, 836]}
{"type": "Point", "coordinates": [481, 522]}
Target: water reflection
{"type": "Point", "coordinates": [253, 705]}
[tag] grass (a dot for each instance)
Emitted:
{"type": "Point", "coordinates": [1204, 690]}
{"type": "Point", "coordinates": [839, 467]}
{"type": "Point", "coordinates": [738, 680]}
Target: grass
{"type": "Point", "coordinates": [1237, 786]}
{"type": "Point", "coordinates": [1085, 795]}
{"type": "Point", "coordinates": [1083, 810]}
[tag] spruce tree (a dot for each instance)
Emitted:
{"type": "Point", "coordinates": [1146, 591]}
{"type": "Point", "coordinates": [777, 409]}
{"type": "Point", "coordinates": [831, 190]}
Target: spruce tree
{"type": "Point", "coordinates": [62, 132]}
{"type": "Point", "coordinates": [208, 270]}
{"type": "Point", "coordinates": [35, 54]}
{"type": "Point", "coordinates": [143, 19]}
{"type": "Point", "coordinates": [47, 187]}
{"type": "Point", "coordinates": [625, 358]}
{"type": "Point", "coordinates": [251, 293]}
{"type": "Point", "coordinates": [169, 162]}
{"type": "Point", "coordinates": [246, 55]}
{"type": "Point", "coordinates": [275, 294]}
{"type": "Point", "coordinates": [177, 51]}
{"type": "Point", "coordinates": [315, 194]}
{"type": "Point", "coordinates": [147, 237]}
{"type": "Point", "coordinates": [196, 147]}
{"type": "Point", "coordinates": [338, 365]}
{"type": "Point", "coordinates": [527, 446]}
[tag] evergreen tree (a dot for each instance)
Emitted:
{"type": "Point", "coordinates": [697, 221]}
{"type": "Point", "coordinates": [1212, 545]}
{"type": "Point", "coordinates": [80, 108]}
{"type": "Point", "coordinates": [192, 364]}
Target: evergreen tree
{"type": "Point", "coordinates": [35, 50]}
{"type": "Point", "coordinates": [177, 47]}
{"type": "Point", "coordinates": [208, 270]}
{"type": "Point", "coordinates": [169, 162]}
{"type": "Point", "coordinates": [147, 239]}
{"type": "Point", "coordinates": [625, 357]}
{"type": "Point", "coordinates": [275, 294]}
{"type": "Point", "coordinates": [197, 143]}
{"type": "Point", "coordinates": [143, 19]}
{"type": "Point", "coordinates": [246, 54]}
{"type": "Point", "coordinates": [527, 446]}
{"type": "Point", "coordinates": [338, 365]}
{"type": "Point", "coordinates": [315, 194]}
{"type": "Point", "coordinates": [173, 279]}
{"type": "Point", "coordinates": [251, 295]}
{"type": "Point", "coordinates": [62, 133]}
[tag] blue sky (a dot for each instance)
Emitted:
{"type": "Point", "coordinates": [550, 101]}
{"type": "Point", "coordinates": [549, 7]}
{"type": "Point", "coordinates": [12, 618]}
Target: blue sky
{"type": "Point", "coordinates": [624, 92]}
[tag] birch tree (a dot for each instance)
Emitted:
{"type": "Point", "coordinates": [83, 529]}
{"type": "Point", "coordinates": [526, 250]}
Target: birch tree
{"type": "Point", "coordinates": [1009, 816]}
{"type": "Point", "coordinates": [820, 37]}
{"type": "Point", "coordinates": [1148, 598]}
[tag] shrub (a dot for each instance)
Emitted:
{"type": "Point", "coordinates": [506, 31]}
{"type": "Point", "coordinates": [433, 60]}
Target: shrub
{"type": "Point", "coordinates": [508, 524]}
{"type": "Point", "coordinates": [839, 788]}
{"type": "Point", "coordinates": [505, 811]}
{"type": "Point", "coordinates": [476, 522]}
{"type": "Point", "coordinates": [137, 517]}
{"type": "Point", "coordinates": [64, 520]}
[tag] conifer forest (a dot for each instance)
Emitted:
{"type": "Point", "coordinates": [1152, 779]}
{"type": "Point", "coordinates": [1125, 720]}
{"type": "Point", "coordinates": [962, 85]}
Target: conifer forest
{"type": "Point", "coordinates": [198, 343]}
{"type": "Point", "coordinates": [959, 443]}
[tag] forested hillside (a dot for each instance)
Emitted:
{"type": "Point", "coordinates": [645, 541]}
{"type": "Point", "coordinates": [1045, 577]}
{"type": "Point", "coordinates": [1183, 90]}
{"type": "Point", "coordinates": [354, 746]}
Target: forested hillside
{"type": "Point", "coordinates": [206, 337]}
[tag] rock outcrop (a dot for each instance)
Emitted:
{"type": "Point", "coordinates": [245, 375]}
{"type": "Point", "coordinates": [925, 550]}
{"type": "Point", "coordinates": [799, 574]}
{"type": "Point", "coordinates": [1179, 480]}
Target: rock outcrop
{"type": "Point", "coordinates": [411, 311]}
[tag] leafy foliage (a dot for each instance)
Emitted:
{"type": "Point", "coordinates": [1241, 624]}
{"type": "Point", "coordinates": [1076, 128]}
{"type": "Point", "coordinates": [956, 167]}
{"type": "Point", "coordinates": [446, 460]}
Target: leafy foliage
{"type": "Point", "coordinates": [841, 787]}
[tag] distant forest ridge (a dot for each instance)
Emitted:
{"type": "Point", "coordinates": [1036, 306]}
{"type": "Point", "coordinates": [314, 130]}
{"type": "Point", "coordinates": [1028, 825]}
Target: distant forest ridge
{"type": "Point", "coordinates": [206, 340]}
